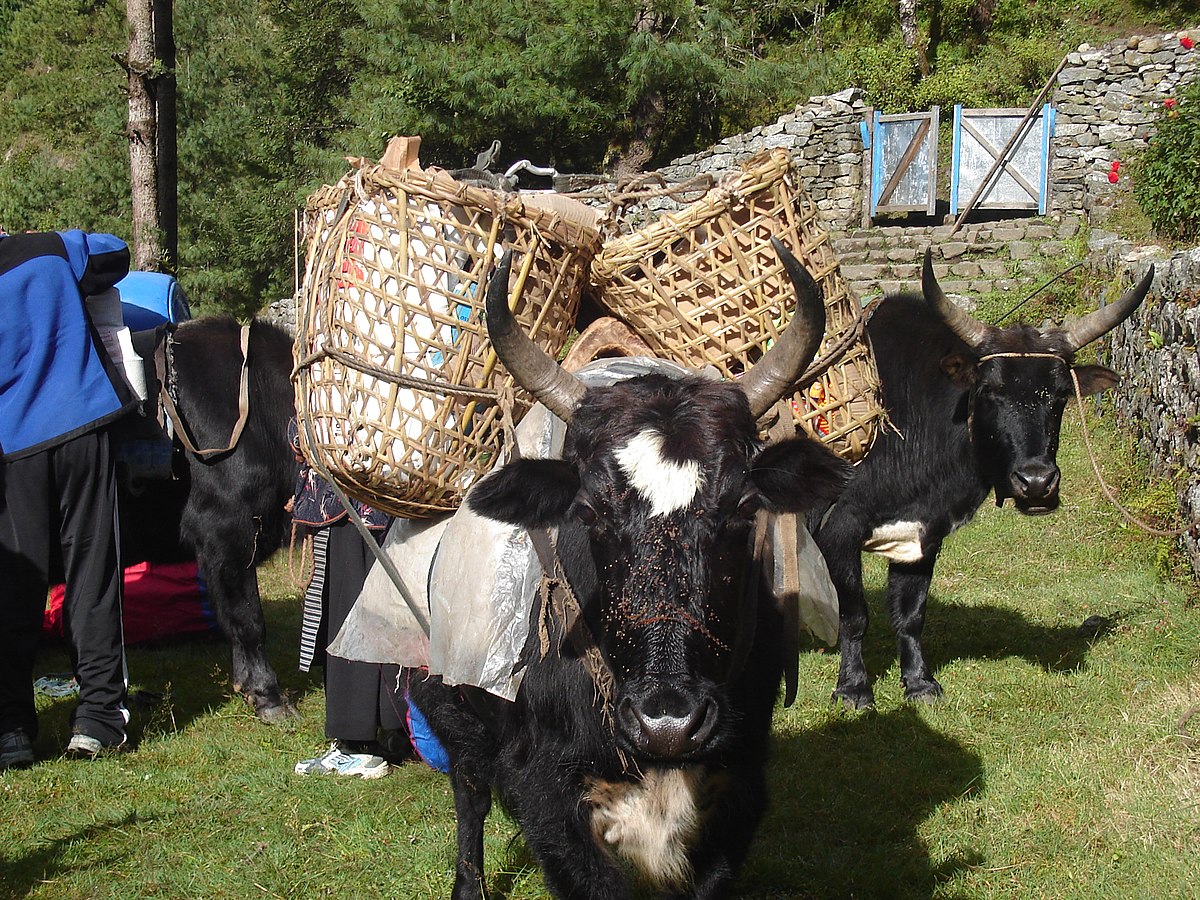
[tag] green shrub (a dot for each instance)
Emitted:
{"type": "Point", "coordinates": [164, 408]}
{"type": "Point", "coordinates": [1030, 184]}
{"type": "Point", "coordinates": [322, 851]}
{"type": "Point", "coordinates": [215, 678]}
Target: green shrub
{"type": "Point", "coordinates": [1167, 177]}
{"type": "Point", "coordinates": [887, 74]}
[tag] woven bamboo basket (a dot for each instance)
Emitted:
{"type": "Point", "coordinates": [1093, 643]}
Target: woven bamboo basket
{"type": "Point", "coordinates": [396, 382]}
{"type": "Point", "coordinates": [702, 286]}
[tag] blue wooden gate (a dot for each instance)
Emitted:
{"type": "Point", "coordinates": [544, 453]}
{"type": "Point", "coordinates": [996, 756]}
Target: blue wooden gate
{"type": "Point", "coordinates": [903, 151]}
{"type": "Point", "coordinates": [980, 136]}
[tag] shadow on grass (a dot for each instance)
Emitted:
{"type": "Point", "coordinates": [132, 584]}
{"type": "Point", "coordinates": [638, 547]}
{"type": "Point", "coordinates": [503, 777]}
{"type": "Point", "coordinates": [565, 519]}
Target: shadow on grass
{"type": "Point", "coordinates": [189, 673]}
{"type": "Point", "coordinates": [20, 876]}
{"type": "Point", "coordinates": [847, 803]}
{"type": "Point", "coordinates": [984, 632]}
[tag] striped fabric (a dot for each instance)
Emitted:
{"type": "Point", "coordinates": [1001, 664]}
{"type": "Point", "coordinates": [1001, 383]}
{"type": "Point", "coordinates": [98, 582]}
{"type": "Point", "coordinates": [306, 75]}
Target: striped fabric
{"type": "Point", "coordinates": [311, 624]}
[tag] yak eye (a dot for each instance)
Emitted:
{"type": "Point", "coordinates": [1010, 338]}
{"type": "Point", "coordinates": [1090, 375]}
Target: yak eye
{"type": "Point", "coordinates": [583, 511]}
{"type": "Point", "coordinates": [750, 504]}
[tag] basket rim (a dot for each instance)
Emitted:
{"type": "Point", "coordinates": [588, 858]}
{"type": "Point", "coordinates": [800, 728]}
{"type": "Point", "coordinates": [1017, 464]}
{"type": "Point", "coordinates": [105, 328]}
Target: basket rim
{"type": "Point", "coordinates": [437, 185]}
{"type": "Point", "coordinates": [759, 173]}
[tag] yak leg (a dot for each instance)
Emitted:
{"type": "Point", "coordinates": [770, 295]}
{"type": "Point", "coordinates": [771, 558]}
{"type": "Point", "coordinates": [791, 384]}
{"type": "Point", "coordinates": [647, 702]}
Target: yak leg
{"type": "Point", "coordinates": [719, 860]}
{"type": "Point", "coordinates": [472, 801]}
{"type": "Point", "coordinates": [841, 546]}
{"type": "Point", "coordinates": [573, 866]}
{"type": "Point", "coordinates": [844, 557]}
{"type": "Point", "coordinates": [908, 589]}
{"type": "Point", "coordinates": [235, 599]}
{"type": "Point", "coordinates": [558, 829]}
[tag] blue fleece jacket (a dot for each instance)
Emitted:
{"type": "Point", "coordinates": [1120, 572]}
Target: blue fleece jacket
{"type": "Point", "coordinates": [56, 380]}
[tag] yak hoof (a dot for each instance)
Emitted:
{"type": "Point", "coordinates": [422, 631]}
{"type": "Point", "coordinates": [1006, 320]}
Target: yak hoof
{"type": "Point", "coordinates": [923, 691]}
{"type": "Point", "coordinates": [276, 713]}
{"type": "Point", "coordinates": [861, 697]}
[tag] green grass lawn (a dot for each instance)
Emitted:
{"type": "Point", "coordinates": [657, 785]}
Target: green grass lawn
{"type": "Point", "coordinates": [1059, 764]}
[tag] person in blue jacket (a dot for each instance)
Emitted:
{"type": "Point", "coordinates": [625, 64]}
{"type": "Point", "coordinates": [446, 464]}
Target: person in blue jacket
{"type": "Point", "coordinates": [58, 494]}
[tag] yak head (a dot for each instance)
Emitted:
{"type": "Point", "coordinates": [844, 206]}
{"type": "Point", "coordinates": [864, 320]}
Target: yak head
{"type": "Point", "coordinates": [654, 502]}
{"type": "Point", "coordinates": [1018, 381]}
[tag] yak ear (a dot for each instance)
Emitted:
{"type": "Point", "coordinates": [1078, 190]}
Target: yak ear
{"type": "Point", "coordinates": [798, 474]}
{"type": "Point", "coordinates": [960, 369]}
{"type": "Point", "coordinates": [1096, 379]}
{"type": "Point", "coordinates": [533, 493]}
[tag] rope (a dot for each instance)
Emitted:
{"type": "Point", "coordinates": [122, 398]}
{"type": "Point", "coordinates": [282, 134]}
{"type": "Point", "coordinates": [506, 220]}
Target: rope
{"type": "Point", "coordinates": [1039, 289]}
{"type": "Point", "coordinates": [1108, 492]}
{"type": "Point", "coordinates": [243, 404]}
{"type": "Point", "coordinates": [407, 381]}
{"type": "Point", "coordinates": [835, 351]}
{"type": "Point", "coordinates": [301, 578]}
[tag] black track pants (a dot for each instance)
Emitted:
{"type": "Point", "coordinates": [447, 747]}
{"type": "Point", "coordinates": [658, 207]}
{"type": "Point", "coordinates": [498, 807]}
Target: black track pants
{"type": "Point", "coordinates": [63, 498]}
{"type": "Point", "coordinates": [359, 696]}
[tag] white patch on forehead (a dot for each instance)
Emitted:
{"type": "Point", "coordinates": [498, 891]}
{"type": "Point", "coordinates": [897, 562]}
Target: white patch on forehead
{"type": "Point", "coordinates": [667, 485]}
{"type": "Point", "coordinates": [897, 541]}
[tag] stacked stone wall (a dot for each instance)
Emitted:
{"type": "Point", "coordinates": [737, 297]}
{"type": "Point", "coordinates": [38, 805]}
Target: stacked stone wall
{"type": "Point", "coordinates": [1107, 100]}
{"type": "Point", "coordinates": [1158, 400]}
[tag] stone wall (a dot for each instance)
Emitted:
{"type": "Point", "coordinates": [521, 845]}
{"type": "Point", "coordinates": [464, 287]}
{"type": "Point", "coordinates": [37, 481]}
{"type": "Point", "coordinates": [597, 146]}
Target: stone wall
{"type": "Point", "coordinates": [1158, 400]}
{"type": "Point", "coordinates": [1107, 100]}
{"type": "Point", "coordinates": [823, 137]}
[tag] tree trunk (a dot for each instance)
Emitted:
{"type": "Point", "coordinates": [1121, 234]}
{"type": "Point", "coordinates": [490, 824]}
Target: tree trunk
{"type": "Point", "coordinates": [984, 15]}
{"type": "Point", "coordinates": [912, 33]}
{"type": "Point", "coordinates": [647, 118]}
{"type": "Point", "coordinates": [141, 131]}
{"type": "Point", "coordinates": [166, 144]}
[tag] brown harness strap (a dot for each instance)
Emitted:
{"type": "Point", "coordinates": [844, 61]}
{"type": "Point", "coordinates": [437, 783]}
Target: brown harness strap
{"type": "Point", "coordinates": [559, 603]}
{"type": "Point", "coordinates": [789, 601]}
{"type": "Point", "coordinates": [243, 407]}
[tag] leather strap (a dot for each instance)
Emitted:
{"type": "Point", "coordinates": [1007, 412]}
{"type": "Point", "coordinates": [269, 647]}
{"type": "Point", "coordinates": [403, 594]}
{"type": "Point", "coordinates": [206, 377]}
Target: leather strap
{"type": "Point", "coordinates": [243, 407]}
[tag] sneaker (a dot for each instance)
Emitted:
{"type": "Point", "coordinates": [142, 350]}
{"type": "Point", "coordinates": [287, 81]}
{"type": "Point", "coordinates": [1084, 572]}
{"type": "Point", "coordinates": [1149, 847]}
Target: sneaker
{"type": "Point", "coordinates": [84, 746]}
{"type": "Point", "coordinates": [337, 761]}
{"type": "Point", "coordinates": [16, 750]}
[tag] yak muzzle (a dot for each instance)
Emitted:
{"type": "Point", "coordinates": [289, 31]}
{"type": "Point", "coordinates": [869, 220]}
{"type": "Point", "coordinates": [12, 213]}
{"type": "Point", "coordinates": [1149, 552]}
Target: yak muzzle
{"type": "Point", "coordinates": [667, 719]}
{"type": "Point", "coordinates": [1034, 487]}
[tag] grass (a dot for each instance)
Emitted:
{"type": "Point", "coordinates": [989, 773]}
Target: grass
{"type": "Point", "coordinates": [1060, 764]}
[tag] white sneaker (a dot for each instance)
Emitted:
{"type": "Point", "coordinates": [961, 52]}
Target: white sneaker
{"type": "Point", "coordinates": [336, 761]}
{"type": "Point", "coordinates": [84, 746]}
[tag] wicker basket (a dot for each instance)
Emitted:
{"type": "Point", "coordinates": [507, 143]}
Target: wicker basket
{"type": "Point", "coordinates": [396, 381]}
{"type": "Point", "coordinates": [702, 286]}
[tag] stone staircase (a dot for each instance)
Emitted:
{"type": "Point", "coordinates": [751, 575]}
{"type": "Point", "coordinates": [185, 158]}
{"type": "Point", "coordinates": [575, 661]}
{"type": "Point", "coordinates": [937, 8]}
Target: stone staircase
{"type": "Point", "coordinates": [1010, 255]}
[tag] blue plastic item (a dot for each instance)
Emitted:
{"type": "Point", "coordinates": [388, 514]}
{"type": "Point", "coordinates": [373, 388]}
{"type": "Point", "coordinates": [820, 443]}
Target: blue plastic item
{"type": "Point", "coordinates": [150, 299]}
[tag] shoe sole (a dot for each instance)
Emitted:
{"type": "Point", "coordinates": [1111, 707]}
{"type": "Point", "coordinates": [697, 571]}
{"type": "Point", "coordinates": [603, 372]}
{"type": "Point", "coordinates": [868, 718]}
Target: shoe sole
{"type": "Point", "coordinates": [102, 750]}
{"type": "Point", "coordinates": [372, 774]}
{"type": "Point", "coordinates": [367, 774]}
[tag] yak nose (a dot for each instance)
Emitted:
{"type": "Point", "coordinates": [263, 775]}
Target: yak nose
{"type": "Point", "coordinates": [666, 721]}
{"type": "Point", "coordinates": [1035, 485]}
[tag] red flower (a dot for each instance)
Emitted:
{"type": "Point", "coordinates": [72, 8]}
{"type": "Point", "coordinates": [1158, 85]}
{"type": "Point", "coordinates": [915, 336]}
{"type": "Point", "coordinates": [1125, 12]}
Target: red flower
{"type": "Point", "coordinates": [1186, 42]}
{"type": "Point", "coordinates": [1170, 103]}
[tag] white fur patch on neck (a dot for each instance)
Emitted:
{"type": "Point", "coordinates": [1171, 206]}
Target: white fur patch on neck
{"type": "Point", "coordinates": [666, 484]}
{"type": "Point", "coordinates": [898, 541]}
{"type": "Point", "coordinates": [652, 823]}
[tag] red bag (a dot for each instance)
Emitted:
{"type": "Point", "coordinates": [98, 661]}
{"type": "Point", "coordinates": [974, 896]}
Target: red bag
{"type": "Point", "coordinates": [162, 600]}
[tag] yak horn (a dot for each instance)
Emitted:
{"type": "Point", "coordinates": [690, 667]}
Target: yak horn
{"type": "Point", "coordinates": [969, 329]}
{"type": "Point", "coordinates": [775, 374]}
{"type": "Point", "coordinates": [534, 369]}
{"type": "Point", "coordinates": [1093, 325]}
